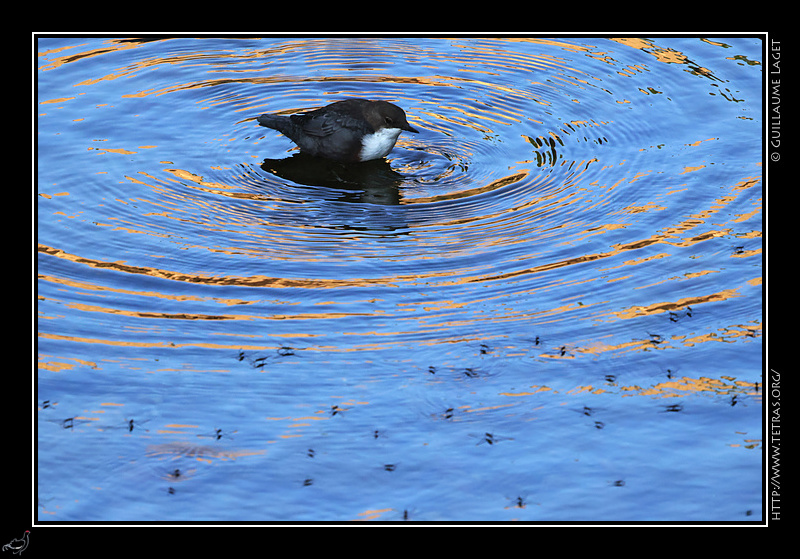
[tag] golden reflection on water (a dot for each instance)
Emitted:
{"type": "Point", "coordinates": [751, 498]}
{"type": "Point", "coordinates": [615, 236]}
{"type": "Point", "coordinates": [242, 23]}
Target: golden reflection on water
{"type": "Point", "coordinates": [205, 453]}
{"type": "Point", "coordinates": [674, 236]}
{"type": "Point", "coordinates": [249, 281]}
{"type": "Point", "coordinates": [437, 315]}
{"type": "Point", "coordinates": [675, 387]}
{"type": "Point", "coordinates": [71, 56]}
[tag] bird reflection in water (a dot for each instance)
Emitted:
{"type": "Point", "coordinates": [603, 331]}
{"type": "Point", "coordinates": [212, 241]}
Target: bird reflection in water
{"type": "Point", "coordinates": [374, 181]}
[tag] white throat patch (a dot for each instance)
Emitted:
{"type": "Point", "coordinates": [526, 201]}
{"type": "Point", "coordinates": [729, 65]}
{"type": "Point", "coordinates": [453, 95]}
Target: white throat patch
{"type": "Point", "coordinates": [378, 144]}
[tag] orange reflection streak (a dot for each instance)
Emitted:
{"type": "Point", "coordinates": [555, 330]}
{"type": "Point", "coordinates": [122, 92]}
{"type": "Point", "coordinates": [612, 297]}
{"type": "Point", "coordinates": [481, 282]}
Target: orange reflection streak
{"type": "Point", "coordinates": [250, 281]}
{"type": "Point", "coordinates": [113, 45]}
{"type": "Point", "coordinates": [278, 79]}
{"type": "Point", "coordinates": [680, 304]}
{"type": "Point", "coordinates": [728, 334]}
{"type": "Point", "coordinates": [372, 514]}
{"type": "Point", "coordinates": [198, 316]}
{"type": "Point", "coordinates": [59, 100]}
{"type": "Point", "coordinates": [669, 56]}
{"type": "Point", "coordinates": [199, 452]}
{"type": "Point", "coordinates": [104, 288]}
{"type": "Point", "coordinates": [494, 185]}
{"type": "Point", "coordinates": [673, 388]}
{"type": "Point", "coordinates": [686, 385]}
{"type": "Point", "coordinates": [666, 55]}
{"type": "Point", "coordinates": [60, 366]}
{"type": "Point", "coordinates": [120, 151]}
{"type": "Point", "coordinates": [206, 345]}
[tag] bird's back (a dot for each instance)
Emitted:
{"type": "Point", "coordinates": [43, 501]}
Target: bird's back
{"type": "Point", "coordinates": [327, 133]}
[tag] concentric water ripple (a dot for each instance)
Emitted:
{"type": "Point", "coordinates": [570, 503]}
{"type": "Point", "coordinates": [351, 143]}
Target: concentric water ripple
{"type": "Point", "coordinates": [576, 217]}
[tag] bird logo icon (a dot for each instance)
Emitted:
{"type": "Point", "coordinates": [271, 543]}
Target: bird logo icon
{"type": "Point", "coordinates": [17, 545]}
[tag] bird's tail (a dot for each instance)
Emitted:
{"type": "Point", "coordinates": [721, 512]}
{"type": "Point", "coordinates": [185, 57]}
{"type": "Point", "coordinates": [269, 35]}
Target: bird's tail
{"type": "Point", "coordinates": [276, 122]}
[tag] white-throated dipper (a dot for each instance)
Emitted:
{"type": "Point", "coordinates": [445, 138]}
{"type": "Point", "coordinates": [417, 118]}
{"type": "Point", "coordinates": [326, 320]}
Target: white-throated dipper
{"type": "Point", "coordinates": [350, 130]}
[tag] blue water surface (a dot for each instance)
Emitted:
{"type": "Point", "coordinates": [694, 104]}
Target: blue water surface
{"type": "Point", "coordinates": [545, 306]}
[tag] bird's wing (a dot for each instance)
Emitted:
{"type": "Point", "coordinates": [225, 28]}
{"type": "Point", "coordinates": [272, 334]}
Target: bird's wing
{"type": "Point", "coordinates": [325, 124]}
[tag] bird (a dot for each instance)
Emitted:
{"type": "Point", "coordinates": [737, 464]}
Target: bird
{"type": "Point", "coordinates": [17, 546]}
{"type": "Point", "coordinates": [351, 130]}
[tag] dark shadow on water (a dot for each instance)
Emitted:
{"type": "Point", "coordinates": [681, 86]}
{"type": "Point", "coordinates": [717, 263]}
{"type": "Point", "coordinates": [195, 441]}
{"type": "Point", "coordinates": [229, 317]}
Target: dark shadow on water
{"type": "Point", "coordinates": [373, 182]}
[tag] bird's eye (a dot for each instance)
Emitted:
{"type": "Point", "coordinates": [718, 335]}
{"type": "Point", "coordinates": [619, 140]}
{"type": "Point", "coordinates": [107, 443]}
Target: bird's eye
{"type": "Point", "coordinates": [388, 120]}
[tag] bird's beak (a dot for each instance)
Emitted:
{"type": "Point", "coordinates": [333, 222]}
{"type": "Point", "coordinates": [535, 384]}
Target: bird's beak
{"type": "Point", "coordinates": [410, 128]}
